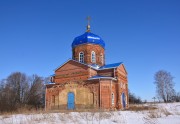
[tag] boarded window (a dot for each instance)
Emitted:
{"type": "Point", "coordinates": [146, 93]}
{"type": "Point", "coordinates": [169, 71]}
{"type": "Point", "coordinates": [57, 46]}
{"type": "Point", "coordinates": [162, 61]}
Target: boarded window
{"type": "Point", "coordinates": [102, 59]}
{"type": "Point", "coordinates": [53, 100]}
{"type": "Point", "coordinates": [91, 98]}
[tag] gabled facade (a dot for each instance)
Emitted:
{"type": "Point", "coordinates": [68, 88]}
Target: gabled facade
{"type": "Point", "coordinates": [85, 81]}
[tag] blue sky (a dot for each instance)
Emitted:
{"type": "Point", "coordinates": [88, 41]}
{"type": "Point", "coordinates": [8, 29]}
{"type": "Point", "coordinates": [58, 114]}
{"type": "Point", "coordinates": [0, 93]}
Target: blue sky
{"type": "Point", "coordinates": [36, 36]}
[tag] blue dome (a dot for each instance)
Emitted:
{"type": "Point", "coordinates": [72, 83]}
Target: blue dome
{"type": "Point", "coordinates": [86, 38]}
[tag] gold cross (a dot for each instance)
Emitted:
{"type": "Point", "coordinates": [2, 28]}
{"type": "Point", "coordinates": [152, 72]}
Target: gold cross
{"type": "Point", "coordinates": [88, 19]}
{"type": "Point", "coordinates": [88, 26]}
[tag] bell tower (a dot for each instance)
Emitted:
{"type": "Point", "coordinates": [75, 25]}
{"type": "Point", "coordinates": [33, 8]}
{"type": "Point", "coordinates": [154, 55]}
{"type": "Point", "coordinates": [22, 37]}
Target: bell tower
{"type": "Point", "coordinates": [89, 48]}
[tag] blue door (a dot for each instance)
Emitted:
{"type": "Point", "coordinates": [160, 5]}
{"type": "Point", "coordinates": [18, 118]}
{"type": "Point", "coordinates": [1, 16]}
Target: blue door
{"type": "Point", "coordinates": [123, 100]}
{"type": "Point", "coordinates": [70, 100]}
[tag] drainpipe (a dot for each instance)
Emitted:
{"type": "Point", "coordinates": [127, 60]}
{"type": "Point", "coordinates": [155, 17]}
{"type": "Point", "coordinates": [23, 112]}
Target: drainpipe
{"type": "Point", "coordinates": [99, 99]}
{"type": "Point", "coordinates": [127, 94]}
{"type": "Point", "coordinates": [111, 93]}
{"type": "Point", "coordinates": [100, 93]}
{"type": "Point", "coordinates": [58, 99]}
{"type": "Point", "coordinates": [90, 71]}
{"type": "Point", "coordinates": [114, 72]}
{"type": "Point", "coordinates": [45, 98]}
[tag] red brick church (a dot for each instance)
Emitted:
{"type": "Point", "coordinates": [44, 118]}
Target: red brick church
{"type": "Point", "coordinates": [86, 81]}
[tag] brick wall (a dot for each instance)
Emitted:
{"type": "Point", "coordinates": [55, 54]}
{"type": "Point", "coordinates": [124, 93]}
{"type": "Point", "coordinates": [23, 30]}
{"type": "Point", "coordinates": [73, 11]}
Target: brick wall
{"type": "Point", "coordinates": [85, 97]}
{"type": "Point", "coordinates": [87, 49]}
{"type": "Point", "coordinates": [72, 71]}
{"type": "Point", "coordinates": [107, 72]}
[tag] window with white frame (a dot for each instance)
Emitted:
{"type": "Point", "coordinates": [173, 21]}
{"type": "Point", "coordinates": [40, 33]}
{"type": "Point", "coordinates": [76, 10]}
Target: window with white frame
{"type": "Point", "coordinates": [112, 98]}
{"type": "Point", "coordinates": [93, 57]}
{"type": "Point", "coordinates": [102, 59]}
{"type": "Point", "coordinates": [81, 57]}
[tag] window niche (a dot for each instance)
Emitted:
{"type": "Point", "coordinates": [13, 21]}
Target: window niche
{"type": "Point", "coordinates": [93, 57]}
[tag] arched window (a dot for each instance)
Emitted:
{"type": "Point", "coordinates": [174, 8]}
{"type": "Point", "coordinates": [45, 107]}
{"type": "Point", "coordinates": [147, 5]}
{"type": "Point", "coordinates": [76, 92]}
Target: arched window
{"type": "Point", "coordinates": [112, 98]}
{"type": "Point", "coordinates": [81, 57]}
{"type": "Point", "coordinates": [93, 57]}
{"type": "Point", "coordinates": [102, 59]}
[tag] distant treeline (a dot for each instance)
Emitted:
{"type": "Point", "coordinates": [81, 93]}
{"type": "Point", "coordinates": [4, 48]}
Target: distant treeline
{"type": "Point", "coordinates": [133, 99]}
{"type": "Point", "coordinates": [21, 91]}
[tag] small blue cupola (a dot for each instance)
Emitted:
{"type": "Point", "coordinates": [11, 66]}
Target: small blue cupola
{"type": "Point", "coordinates": [88, 38]}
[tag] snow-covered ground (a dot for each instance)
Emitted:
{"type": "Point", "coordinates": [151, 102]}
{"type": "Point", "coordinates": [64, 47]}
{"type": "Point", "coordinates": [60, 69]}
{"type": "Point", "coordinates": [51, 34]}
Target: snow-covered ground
{"type": "Point", "coordinates": [165, 114]}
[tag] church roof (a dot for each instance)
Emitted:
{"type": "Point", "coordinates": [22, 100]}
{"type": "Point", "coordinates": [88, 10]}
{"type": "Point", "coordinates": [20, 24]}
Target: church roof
{"type": "Point", "coordinates": [88, 38]}
{"type": "Point", "coordinates": [95, 66]}
{"type": "Point", "coordinates": [49, 83]}
{"type": "Point", "coordinates": [71, 60]}
{"type": "Point", "coordinates": [108, 66]}
{"type": "Point", "coordinates": [101, 77]}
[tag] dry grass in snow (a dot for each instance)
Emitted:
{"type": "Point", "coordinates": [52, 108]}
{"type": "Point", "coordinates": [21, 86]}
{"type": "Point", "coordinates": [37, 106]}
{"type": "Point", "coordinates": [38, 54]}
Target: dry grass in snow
{"type": "Point", "coordinates": [137, 114]}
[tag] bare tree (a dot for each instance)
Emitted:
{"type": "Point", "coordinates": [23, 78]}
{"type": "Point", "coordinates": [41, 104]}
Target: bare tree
{"type": "Point", "coordinates": [177, 97]}
{"type": "Point", "coordinates": [2, 101]}
{"type": "Point", "coordinates": [17, 83]}
{"type": "Point", "coordinates": [133, 99]}
{"type": "Point", "coordinates": [164, 85]}
{"type": "Point", "coordinates": [17, 90]}
{"type": "Point", "coordinates": [12, 92]}
{"type": "Point", "coordinates": [36, 91]}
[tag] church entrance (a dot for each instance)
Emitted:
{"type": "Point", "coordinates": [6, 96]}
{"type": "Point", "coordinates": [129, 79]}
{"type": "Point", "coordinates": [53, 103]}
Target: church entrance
{"type": "Point", "coordinates": [123, 100]}
{"type": "Point", "coordinates": [71, 100]}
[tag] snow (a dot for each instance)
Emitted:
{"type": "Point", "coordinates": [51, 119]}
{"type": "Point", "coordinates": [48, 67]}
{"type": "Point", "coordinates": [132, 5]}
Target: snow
{"type": "Point", "coordinates": [165, 114]}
